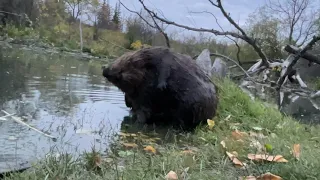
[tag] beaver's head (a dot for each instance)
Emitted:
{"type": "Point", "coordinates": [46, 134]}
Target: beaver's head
{"type": "Point", "coordinates": [128, 72]}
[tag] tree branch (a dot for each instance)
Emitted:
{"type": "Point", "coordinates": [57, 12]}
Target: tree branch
{"type": "Point", "coordinates": [308, 56]}
{"type": "Point", "coordinates": [295, 60]}
{"type": "Point", "coordinates": [235, 42]}
{"type": "Point", "coordinates": [242, 36]}
{"type": "Point", "coordinates": [155, 26]}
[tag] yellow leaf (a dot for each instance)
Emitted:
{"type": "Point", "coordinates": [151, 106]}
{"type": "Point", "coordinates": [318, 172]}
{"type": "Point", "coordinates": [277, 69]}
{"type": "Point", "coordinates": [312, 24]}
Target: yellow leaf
{"type": "Point", "coordinates": [172, 176]}
{"type": "Point", "coordinates": [296, 151]}
{"type": "Point", "coordinates": [277, 158]}
{"type": "Point", "coordinates": [210, 123]}
{"type": "Point", "coordinates": [150, 149]}
{"type": "Point", "coordinates": [136, 45]}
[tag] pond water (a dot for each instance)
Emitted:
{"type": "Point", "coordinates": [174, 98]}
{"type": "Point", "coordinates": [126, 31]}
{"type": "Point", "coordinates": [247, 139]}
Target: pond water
{"type": "Point", "coordinates": [60, 95]}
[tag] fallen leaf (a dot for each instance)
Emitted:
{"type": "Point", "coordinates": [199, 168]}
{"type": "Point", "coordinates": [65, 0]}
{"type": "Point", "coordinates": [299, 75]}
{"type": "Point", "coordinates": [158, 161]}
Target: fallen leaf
{"type": "Point", "coordinates": [257, 128]}
{"type": "Point", "coordinates": [277, 158]}
{"type": "Point", "coordinates": [234, 159]}
{"type": "Point", "coordinates": [130, 145]}
{"type": "Point", "coordinates": [210, 123]}
{"type": "Point", "coordinates": [187, 152]}
{"type": "Point", "coordinates": [150, 149]}
{"type": "Point", "coordinates": [223, 144]}
{"type": "Point", "coordinates": [234, 125]}
{"type": "Point", "coordinates": [238, 134]}
{"type": "Point", "coordinates": [257, 135]}
{"type": "Point", "coordinates": [172, 176]}
{"type": "Point", "coordinates": [257, 145]}
{"type": "Point", "coordinates": [248, 178]}
{"type": "Point", "coordinates": [184, 174]}
{"type": "Point", "coordinates": [269, 176]}
{"type": "Point", "coordinates": [227, 118]}
{"type": "Point", "coordinates": [296, 151]}
{"type": "Point", "coordinates": [235, 153]}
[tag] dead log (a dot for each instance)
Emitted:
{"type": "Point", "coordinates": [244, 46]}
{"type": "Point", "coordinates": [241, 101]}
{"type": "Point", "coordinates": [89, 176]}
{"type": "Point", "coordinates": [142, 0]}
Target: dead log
{"type": "Point", "coordinates": [307, 55]}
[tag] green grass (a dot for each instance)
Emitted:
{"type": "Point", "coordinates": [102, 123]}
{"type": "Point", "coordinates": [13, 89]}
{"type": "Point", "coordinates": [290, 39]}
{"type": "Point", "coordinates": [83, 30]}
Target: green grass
{"type": "Point", "coordinates": [67, 36]}
{"type": "Point", "coordinates": [209, 160]}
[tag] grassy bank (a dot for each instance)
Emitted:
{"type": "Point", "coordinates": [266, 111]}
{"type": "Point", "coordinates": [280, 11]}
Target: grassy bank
{"type": "Point", "coordinates": [242, 126]}
{"type": "Point", "coordinates": [67, 37]}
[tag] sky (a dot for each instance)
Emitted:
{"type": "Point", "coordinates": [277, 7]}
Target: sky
{"type": "Point", "coordinates": [187, 12]}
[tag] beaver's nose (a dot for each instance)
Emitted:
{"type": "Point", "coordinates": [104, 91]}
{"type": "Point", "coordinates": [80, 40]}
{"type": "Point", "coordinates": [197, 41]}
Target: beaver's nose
{"type": "Point", "coordinates": [106, 71]}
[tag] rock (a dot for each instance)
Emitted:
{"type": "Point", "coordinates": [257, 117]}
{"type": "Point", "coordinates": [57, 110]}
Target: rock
{"type": "Point", "coordinates": [204, 61]}
{"type": "Point", "coordinates": [219, 68]}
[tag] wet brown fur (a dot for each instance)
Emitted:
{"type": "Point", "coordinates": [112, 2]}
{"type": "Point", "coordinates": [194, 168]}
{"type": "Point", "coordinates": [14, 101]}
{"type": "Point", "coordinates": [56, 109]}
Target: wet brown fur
{"type": "Point", "coordinates": [163, 86]}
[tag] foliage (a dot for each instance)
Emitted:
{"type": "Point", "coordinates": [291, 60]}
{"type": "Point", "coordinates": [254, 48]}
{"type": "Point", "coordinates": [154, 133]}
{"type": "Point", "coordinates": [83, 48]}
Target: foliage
{"type": "Point", "coordinates": [137, 29]}
{"type": "Point", "coordinates": [265, 30]}
{"type": "Point", "coordinates": [247, 138]}
{"type": "Point", "coordinates": [104, 16]}
{"type": "Point", "coordinates": [136, 45]}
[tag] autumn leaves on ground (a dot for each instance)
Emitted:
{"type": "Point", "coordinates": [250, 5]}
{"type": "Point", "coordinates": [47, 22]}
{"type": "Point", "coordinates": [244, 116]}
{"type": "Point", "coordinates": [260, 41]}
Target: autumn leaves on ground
{"type": "Point", "coordinates": [247, 140]}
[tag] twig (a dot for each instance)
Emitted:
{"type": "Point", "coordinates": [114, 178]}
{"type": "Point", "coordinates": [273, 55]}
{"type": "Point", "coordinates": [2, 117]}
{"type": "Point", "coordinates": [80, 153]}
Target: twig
{"type": "Point", "coordinates": [25, 124]}
{"type": "Point", "coordinates": [10, 13]}
{"type": "Point", "coordinates": [156, 24]}
{"type": "Point", "coordinates": [235, 42]}
{"type": "Point", "coordinates": [3, 118]}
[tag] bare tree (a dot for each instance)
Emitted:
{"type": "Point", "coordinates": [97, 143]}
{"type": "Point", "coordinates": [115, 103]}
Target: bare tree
{"type": "Point", "coordinates": [297, 19]}
{"type": "Point", "coordinates": [241, 34]}
{"type": "Point", "coordinates": [155, 24]}
{"type": "Point", "coordinates": [74, 6]}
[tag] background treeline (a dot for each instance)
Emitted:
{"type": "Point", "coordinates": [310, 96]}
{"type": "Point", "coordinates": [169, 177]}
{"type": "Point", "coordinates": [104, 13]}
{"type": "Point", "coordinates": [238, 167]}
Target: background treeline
{"type": "Point", "coordinates": [107, 32]}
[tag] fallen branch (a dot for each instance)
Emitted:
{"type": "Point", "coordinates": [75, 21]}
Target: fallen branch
{"type": "Point", "coordinates": [315, 95]}
{"type": "Point", "coordinates": [295, 60]}
{"type": "Point", "coordinates": [25, 124]}
{"type": "Point", "coordinates": [308, 56]}
{"type": "Point", "coordinates": [300, 81]}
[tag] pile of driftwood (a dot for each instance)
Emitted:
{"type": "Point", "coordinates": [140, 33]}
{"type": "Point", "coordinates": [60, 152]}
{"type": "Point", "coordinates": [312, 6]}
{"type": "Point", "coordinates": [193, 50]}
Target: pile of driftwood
{"type": "Point", "coordinates": [260, 74]}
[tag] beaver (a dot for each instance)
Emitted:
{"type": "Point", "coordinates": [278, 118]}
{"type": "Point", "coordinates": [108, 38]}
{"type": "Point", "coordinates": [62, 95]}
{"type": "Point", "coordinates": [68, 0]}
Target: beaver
{"type": "Point", "coordinates": [162, 86]}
